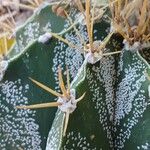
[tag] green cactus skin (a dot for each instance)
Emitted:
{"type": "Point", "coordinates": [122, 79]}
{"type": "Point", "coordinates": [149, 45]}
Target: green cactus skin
{"type": "Point", "coordinates": [114, 112]}
{"type": "Point", "coordinates": [26, 130]}
{"type": "Point", "coordinates": [132, 102]}
{"type": "Point", "coordinates": [85, 130]}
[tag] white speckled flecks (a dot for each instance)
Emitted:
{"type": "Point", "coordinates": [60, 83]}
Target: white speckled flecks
{"type": "Point", "coordinates": [18, 127]}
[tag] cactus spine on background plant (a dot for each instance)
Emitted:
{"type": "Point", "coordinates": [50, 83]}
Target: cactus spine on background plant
{"type": "Point", "coordinates": [112, 83]}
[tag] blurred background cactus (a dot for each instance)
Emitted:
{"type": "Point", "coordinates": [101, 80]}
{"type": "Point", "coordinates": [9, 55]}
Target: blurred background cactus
{"type": "Point", "coordinates": [87, 59]}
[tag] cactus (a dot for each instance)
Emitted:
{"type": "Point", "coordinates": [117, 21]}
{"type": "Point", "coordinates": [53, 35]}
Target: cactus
{"type": "Point", "coordinates": [15, 86]}
{"type": "Point", "coordinates": [103, 101]}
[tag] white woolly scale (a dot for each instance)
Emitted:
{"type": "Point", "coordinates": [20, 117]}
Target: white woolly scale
{"type": "Point", "coordinates": [92, 58]}
{"type": "Point", "coordinates": [44, 38]}
{"type": "Point", "coordinates": [68, 105]}
{"type": "Point", "coordinates": [3, 68]}
{"type": "Point", "coordinates": [136, 46]}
